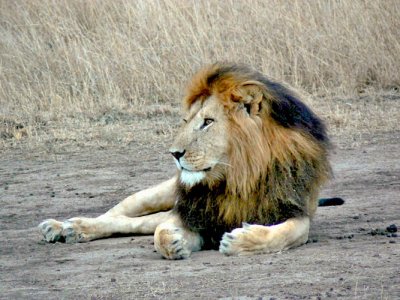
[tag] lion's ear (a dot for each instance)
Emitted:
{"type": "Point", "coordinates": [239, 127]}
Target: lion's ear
{"type": "Point", "coordinates": [251, 96]}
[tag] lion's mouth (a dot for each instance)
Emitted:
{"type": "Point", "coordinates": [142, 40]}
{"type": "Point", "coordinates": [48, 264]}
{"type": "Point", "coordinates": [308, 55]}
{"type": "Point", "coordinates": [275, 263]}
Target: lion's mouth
{"type": "Point", "coordinates": [183, 167]}
{"type": "Point", "coordinates": [204, 170]}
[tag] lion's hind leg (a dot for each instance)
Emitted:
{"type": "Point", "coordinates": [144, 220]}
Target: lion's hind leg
{"type": "Point", "coordinates": [72, 230]}
{"type": "Point", "coordinates": [51, 230]}
{"type": "Point", "coordinates": [266, 239]}
{"type": "Point", "coordinates": [136, 214]}
{"type": "Point", "coordinates": [82, 229]}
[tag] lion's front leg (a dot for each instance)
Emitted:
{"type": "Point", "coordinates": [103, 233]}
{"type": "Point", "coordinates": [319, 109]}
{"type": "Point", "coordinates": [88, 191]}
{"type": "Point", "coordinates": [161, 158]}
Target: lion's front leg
{"type": "Point", "coordinates": [173, 241]}
{"type": "Point", "coordinates": [265, 239]}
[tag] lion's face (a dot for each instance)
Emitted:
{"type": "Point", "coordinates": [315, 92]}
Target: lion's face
{"type": "Point", "coordinates": [201, 146]}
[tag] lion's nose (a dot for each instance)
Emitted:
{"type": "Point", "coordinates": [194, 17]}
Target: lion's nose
{"type": "Point", "coordinates": [178, 154]}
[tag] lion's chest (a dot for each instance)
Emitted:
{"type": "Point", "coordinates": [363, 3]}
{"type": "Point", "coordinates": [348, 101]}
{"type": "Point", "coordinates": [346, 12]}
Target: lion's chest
{"type": "Point", "coordinates": [199, 211]}
{"type": "Point", "coordinates": [206, 211]}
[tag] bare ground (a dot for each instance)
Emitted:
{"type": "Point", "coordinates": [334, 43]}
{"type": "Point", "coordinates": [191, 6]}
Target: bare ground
{"type": "Point", "coordinates": [350, 253]}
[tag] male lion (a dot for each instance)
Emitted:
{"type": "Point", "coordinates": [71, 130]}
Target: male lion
{"type": "Point", "coordinates": [251, 159]}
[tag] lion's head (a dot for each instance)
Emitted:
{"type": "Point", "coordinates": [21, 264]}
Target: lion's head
{"type": "Point", "coordinates": [253, 137]}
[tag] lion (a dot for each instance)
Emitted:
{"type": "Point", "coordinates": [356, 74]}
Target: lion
{"type": "Point", "coordinates": [251, 160]}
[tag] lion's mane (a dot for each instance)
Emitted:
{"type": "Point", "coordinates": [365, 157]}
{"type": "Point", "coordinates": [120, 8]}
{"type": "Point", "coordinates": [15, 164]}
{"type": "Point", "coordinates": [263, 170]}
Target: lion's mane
{"type": "Point", "coordinates": [278, 159]}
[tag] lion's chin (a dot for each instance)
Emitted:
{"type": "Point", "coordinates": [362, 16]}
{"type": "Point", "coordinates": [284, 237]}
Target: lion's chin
{"type": "Point", "coordinates": [191, 178]}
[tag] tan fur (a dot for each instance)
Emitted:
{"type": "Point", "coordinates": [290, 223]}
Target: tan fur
{"type": "Point", "coordinates": [256, 146]}
{"type": "Point", "coordinates": [243, 146]}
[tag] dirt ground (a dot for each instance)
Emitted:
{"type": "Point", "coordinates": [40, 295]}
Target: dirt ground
{"type": "Point", "coordinates": [350, 254]}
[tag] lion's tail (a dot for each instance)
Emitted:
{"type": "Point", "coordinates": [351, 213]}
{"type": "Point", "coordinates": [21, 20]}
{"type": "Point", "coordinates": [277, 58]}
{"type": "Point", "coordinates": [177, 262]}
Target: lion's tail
{"type": "Point", "coordinates": [330, 201]}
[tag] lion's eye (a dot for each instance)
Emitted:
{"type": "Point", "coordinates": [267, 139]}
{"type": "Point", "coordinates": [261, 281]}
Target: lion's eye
{"type": "Point", "coordinates": [207, 122]}
{"type": "Point", "coordinates": [184, 120]}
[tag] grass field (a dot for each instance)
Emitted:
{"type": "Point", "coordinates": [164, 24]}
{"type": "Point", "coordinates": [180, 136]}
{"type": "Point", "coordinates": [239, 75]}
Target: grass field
{"type": "Point", "coordinates": [89, 73]}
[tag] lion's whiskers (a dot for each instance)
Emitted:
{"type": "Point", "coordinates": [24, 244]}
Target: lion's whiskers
{"type": "Point", "coordinates": [224, 164]}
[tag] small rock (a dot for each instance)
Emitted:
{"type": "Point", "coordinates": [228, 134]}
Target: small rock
{"type": "Point", "coordinates": [391, 228]}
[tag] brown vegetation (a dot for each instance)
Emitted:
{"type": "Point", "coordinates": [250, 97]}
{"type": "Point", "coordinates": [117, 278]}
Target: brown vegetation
{"type": "Point", "coordinates": [75, 71]}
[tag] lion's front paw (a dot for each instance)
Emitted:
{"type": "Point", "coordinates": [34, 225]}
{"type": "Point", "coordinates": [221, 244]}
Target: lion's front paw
{"type": "Point", "coordinates": [243, 241]}
{"type": "Point", "coordinates": [169, 241]}
{"type": "Point", "coordinates": [70, 231]}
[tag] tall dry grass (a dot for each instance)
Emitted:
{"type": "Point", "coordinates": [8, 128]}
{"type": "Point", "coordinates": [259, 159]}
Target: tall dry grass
{"type": "Point", "coordinates": [69, 62]}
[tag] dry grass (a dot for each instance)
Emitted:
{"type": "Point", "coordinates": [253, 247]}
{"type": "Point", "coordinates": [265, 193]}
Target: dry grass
{"type": "Point", "coordinates": [95, 72]}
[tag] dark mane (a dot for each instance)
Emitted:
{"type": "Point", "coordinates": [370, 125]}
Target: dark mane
{"type": "Point", "coordinates": [286, 108]}
{"type": "Point", "coordinates": [290, 112]}
{"type": "Point", "coordinates": [199, 210]}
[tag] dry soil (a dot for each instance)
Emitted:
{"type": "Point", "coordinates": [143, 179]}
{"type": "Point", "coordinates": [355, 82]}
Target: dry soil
{"type": "Point", "coordinates": [350, 254]}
